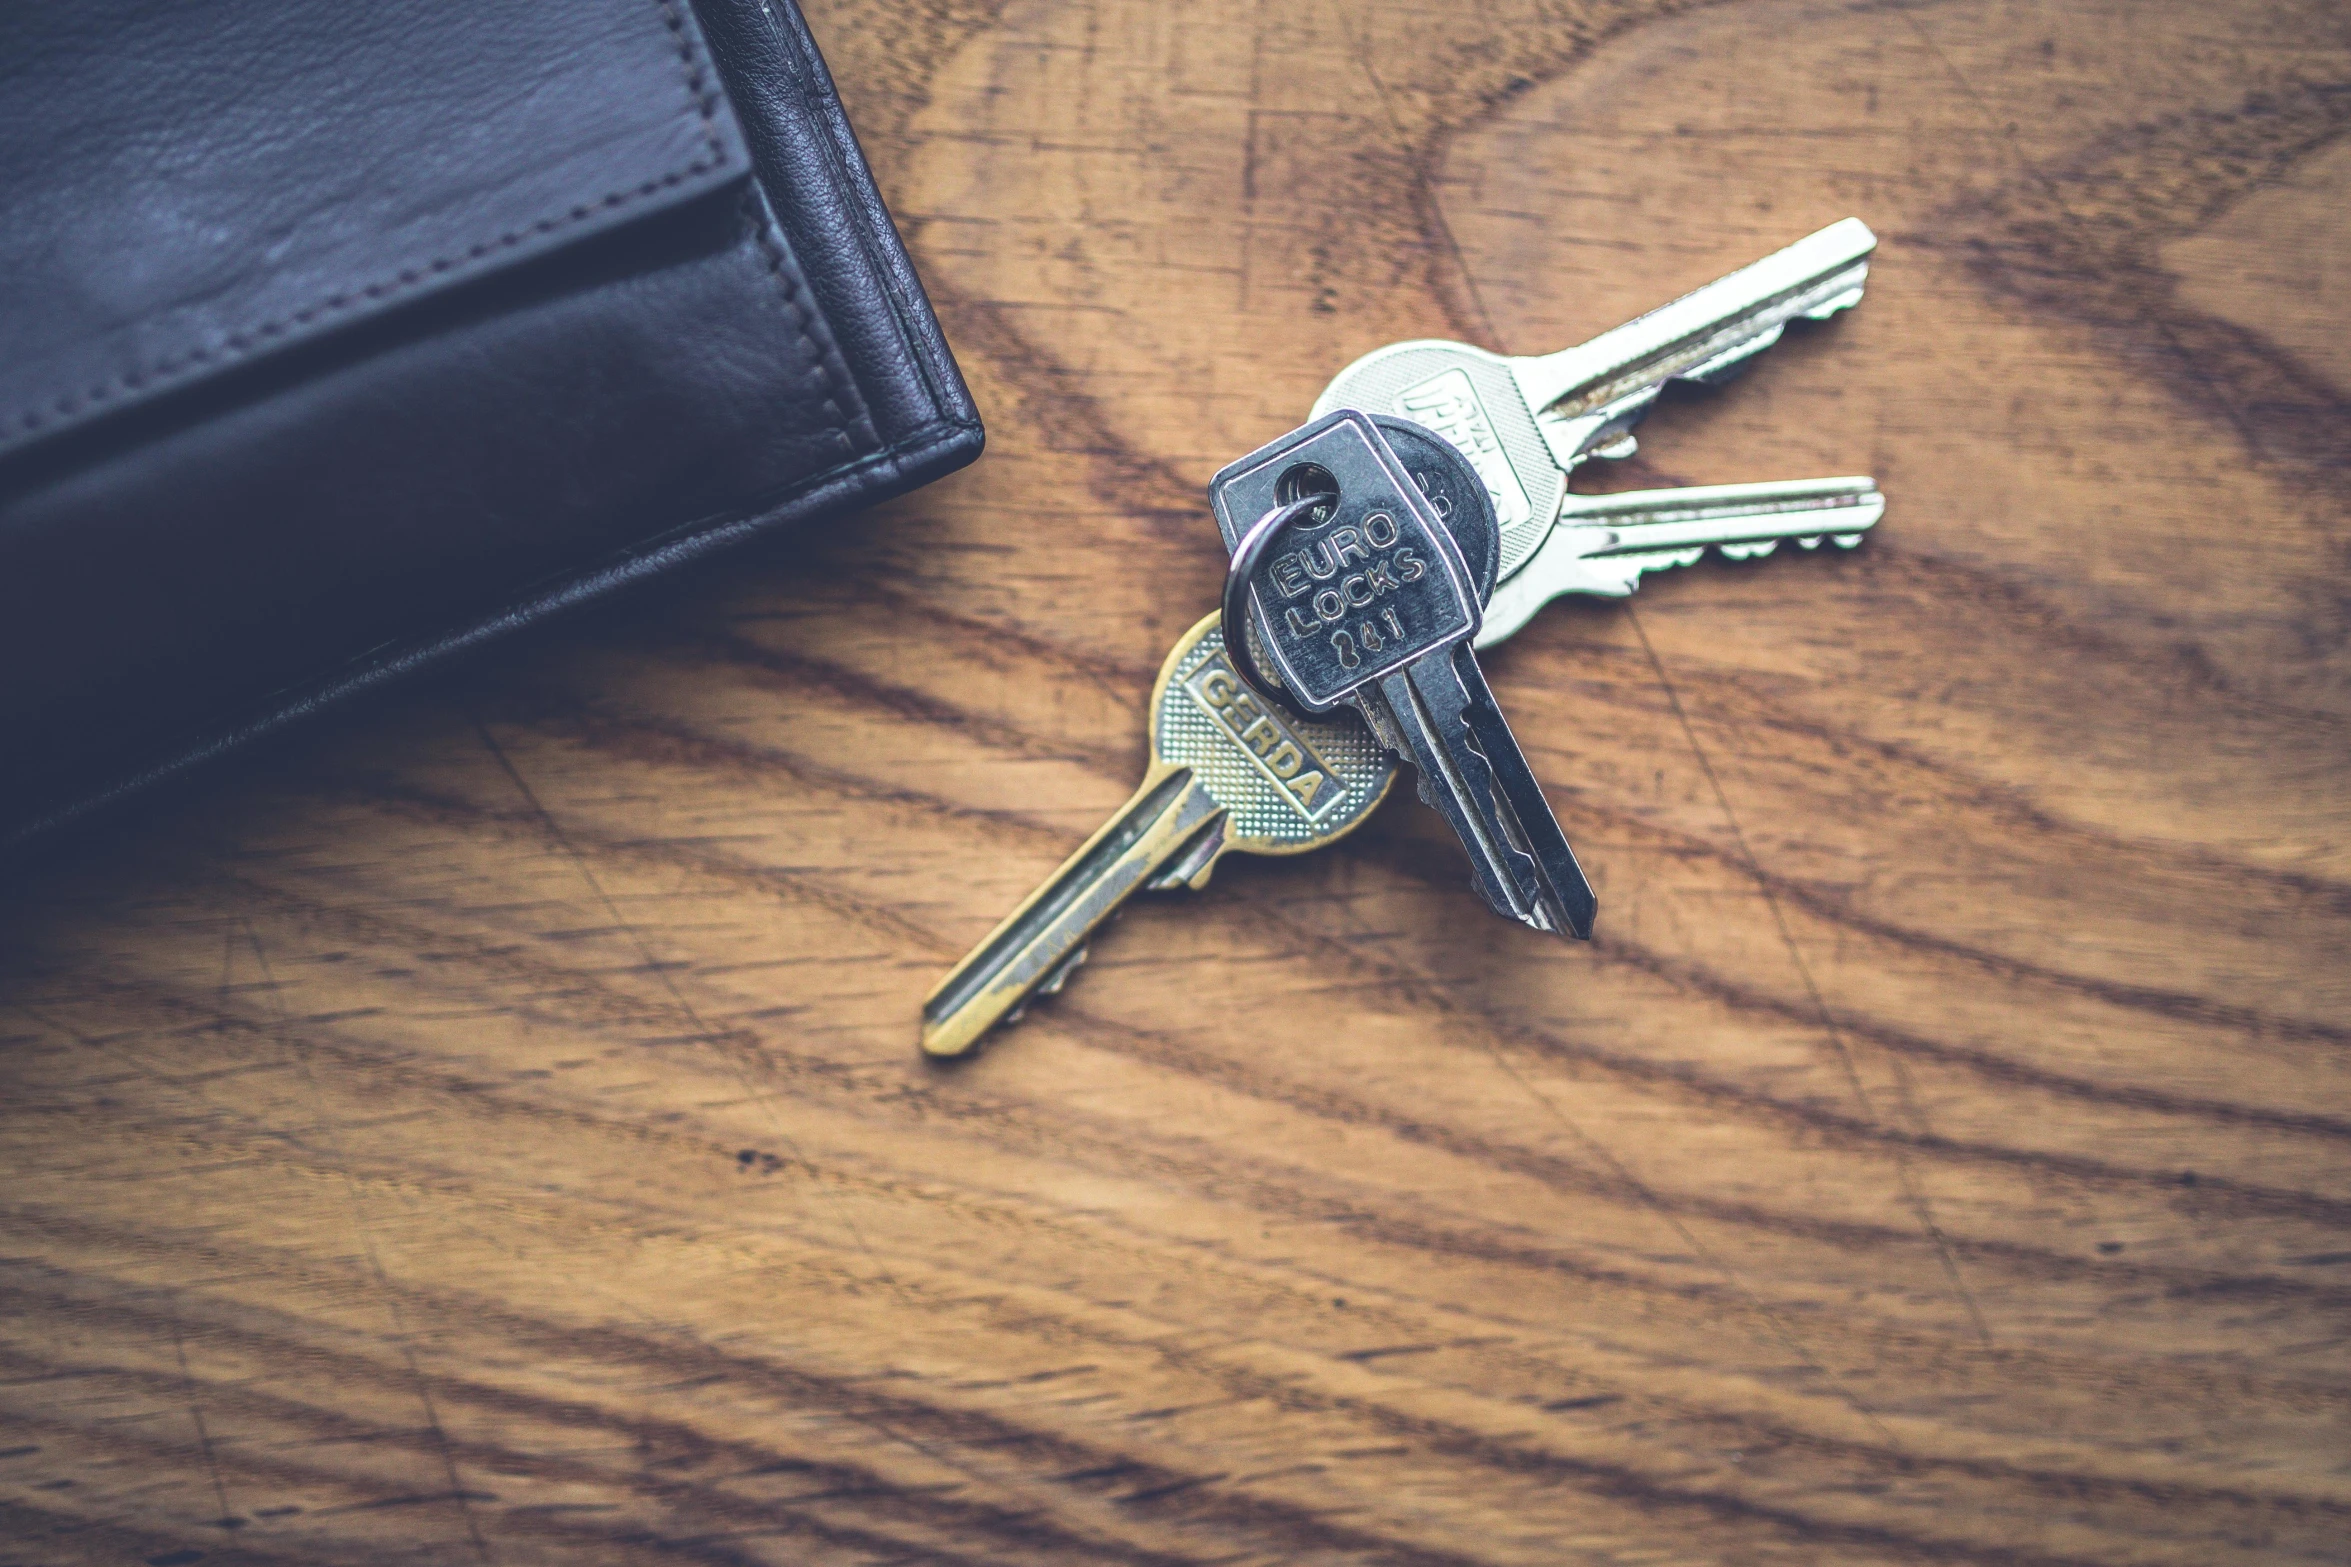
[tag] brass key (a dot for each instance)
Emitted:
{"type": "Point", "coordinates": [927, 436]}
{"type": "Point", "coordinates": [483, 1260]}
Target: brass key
{"type": "Point", "coordinates": [1226, 774]}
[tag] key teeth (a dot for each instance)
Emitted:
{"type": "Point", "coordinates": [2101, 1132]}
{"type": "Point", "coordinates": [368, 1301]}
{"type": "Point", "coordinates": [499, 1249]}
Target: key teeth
{"type": "Point", "coordinates": [1060, 975]}
{"type": "Point", "coordinates": [1755, 551]}
{"type": "Point", "coordinates": [1723, 366]}
{"type": "Point", "coordinates": [1051, 986]}
{"type": "Point", "coordinates": [1844, 301]}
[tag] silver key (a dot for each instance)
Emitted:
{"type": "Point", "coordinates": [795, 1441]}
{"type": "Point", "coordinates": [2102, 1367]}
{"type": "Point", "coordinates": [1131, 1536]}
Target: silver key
{"type": "Point", "coordinates": [1527, 422]}
{"type": "Point", "coordinates": [1603, 543]}
{"type": "Point", "coordinates": [1226, 774]}
{"type": "Point", "coordinates": [1370, 602]}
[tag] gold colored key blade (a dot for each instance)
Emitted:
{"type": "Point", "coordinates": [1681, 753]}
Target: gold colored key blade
{"type": "Point", "coordinates": [1225, 774]}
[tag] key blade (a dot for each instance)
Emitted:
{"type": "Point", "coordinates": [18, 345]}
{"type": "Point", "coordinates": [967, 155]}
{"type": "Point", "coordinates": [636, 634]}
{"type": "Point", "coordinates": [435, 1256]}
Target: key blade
{"type": "Point", "coordinates": [1418, 713]}
{"type": "Point", "coordinates": [1725, 516]}
{"type": "Point", "coordinates": [1585, 398]}
{"type": "Point", "coordinates": [1036, 947]}
{"type": "Point", "coordinates": [1473, 772]}
{"type": "Point", "coordinates": [1604, 543]}
{"type": "Point", "coordinates": [1226, 776]}
{"type": "Point", "coordinates": [1562, 893]}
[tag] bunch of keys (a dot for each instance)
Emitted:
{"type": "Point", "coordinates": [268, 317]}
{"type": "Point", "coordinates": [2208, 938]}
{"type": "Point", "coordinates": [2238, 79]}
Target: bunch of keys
{"type": "Point", "coordinates": [1426, 509]}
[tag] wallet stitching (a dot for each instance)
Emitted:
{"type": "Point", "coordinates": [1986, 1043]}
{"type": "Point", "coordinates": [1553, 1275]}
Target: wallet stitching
{"type": "Point", "coordinates": [701, 98]}
{"type": "Point", "coordinates": [770, 240]}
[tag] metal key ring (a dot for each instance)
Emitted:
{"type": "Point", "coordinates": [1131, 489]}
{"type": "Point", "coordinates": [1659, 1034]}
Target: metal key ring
{"type": "Point", "coordinates": [1255, 545]}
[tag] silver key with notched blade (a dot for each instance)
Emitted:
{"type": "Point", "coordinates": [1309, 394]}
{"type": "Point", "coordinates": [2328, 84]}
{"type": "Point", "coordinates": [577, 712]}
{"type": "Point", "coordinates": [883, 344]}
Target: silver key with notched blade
{"type": "Point", "coordinates": [1603, 543]}
{"type": "Point", "coordinates": [1227, 773]}
{"type": "Point", "coordinates": [1370, 602]}
{"type": "Point", "coordinates": [1527, 422]}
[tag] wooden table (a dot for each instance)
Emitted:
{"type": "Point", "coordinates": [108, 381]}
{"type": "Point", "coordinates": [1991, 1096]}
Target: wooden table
{"type": "Point", "coordinates": [490, 1128]}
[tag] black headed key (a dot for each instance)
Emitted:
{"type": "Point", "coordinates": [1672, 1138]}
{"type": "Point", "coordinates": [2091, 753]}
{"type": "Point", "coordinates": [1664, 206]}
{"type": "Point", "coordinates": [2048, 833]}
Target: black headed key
{"type": "Point", "coordinates": [1360, 594]}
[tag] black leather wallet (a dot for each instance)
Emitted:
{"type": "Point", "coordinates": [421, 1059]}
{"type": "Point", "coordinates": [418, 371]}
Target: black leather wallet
{"type": "Point", "coordinates": [337, 339]}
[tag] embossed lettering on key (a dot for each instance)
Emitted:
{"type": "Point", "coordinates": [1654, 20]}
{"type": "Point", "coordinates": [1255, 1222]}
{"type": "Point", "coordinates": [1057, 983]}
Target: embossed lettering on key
{"type": "Point", "coordinates": [1371, 582]}
{"type": "Point", "coordinates": [1526, 422]}
{"type": "Point", "coordinates": [1226, 774]}
{"type": "Point", "coordinates": [1367, 599]}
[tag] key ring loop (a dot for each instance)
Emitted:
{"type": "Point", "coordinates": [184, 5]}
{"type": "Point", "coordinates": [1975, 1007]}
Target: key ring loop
{"type": "Point", "coordinates": [1255, 546]}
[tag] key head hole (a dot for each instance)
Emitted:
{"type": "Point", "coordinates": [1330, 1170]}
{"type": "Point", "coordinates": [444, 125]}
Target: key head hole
{"type": "Point", "coordinates": [1302, 480]}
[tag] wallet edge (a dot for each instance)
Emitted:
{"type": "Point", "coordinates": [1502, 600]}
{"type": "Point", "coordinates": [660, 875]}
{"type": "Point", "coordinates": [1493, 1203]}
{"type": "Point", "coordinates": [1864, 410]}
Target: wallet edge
{"type": "Point", "coordinates": [922, 455]}
{"type": "Point", "coordinates": [946, 436]}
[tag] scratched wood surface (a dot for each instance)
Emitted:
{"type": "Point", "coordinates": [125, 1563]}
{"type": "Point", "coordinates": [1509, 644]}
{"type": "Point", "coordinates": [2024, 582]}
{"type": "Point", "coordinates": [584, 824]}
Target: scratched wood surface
{"type": "Point", "coordinates": [490, 1129]}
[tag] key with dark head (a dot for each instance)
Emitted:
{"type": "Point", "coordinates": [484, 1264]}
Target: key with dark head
{"type": "Point", "coordinates": [1360, 595]}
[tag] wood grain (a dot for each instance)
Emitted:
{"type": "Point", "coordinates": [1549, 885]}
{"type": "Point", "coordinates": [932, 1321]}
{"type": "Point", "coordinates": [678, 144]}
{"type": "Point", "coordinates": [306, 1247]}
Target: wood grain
{"type": "Point", "coordinates": [490, 1129]}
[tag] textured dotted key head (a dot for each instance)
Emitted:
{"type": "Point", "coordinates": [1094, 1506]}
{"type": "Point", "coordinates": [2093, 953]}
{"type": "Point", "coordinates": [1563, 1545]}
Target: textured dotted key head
{"type": "Point", "coordinates": [1467, 396]}
{"type": "Point", "coordinates": [1285, 786]}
